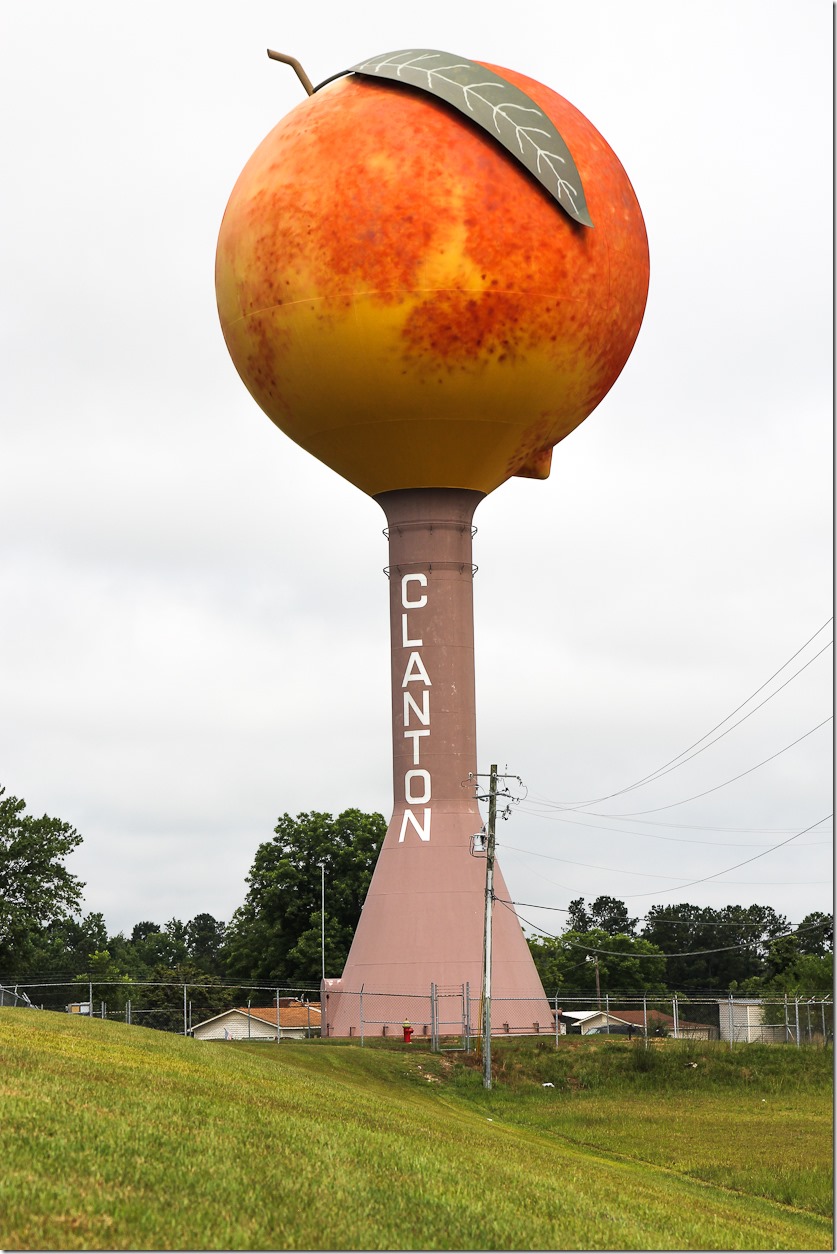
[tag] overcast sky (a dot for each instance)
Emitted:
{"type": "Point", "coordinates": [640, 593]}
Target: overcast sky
{"type": "Point", "coordinates": [194, 626]}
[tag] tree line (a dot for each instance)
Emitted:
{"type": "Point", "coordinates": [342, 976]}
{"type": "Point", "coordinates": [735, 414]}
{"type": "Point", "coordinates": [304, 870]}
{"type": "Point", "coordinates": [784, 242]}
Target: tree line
{"type": "Point", "coordinates": [686, 949]}
{"type": "Point", "coordinates": [274, 937]}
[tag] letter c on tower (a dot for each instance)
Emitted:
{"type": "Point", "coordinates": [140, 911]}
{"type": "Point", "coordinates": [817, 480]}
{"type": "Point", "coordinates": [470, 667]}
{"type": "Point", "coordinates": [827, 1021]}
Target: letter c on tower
{"type": "Point", "coordinates": [406, 603]}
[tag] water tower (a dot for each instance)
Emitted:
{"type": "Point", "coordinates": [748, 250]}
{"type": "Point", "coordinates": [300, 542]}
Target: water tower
{"type": "Point", "coordinates": [428, 274]}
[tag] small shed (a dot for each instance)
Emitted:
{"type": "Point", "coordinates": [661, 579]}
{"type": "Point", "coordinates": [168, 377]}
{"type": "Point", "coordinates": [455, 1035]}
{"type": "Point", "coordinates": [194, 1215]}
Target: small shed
{"type": "Point", "coordinates": [742, 1019]}
{"type": "Point", "coordinates": [297, 1021]}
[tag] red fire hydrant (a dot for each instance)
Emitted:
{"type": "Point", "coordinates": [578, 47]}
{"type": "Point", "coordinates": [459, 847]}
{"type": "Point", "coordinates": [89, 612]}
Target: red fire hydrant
{"type": "Point", "coordinates": [408, 1032]}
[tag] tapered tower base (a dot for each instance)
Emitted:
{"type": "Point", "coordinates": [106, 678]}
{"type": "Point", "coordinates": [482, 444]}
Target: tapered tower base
{"type": "Point", "coordinates": [422, 922]}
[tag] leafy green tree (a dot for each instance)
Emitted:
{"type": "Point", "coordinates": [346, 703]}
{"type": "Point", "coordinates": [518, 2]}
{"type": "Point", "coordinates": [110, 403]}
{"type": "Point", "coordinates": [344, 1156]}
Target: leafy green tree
{"type": "Point", "coordinates": [557, 964]}
{"type": "Point", "coordinates": [611, 915]}
{"type": "Point", "coordinates": [151, 946]}
{"type": "Point", "coordinates": [141, 931]}
{"type": "Point", "coordinates": [124, 955]}
{"type": "Point", "coordinates": [606, 914]}
{"type": "Point", "coordinates": [205, 943]}
{"type": "Point", "coordinates": [36, 889]}
{"type": "Point", "coordinates": [160, 1003]}
{"type": "Point", "coordinates": [274, 934]}
{"type": "Point", "coordinates": [812, 975]}
{"type": "Point", "coordinates": [175, 929]}
{"type": "Point", "coordinates": [111, 984]}
{"type": "Point", "coordinates": [61, 949]}
{"type": "Point", "coordinates": [578, 918]}
{"type": "Point", "coordinates": [713, 950]}
{"type": "Point", "coordinates": [782, 954]}
{"type": "Point", "coordinates": [627, 964]}
{"type": "Point", "coordinates": [815, 934]}
{"type": "Point", "coordinates": [802, 964]}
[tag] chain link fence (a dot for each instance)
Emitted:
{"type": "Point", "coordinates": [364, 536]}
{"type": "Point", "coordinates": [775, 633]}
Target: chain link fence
{"type": "Point", "coordinates": [791, 1020]}
{"type": "Point", "coordinates": [167, 1005]}
{"type": "Point", "coordinates": [446, 1017]}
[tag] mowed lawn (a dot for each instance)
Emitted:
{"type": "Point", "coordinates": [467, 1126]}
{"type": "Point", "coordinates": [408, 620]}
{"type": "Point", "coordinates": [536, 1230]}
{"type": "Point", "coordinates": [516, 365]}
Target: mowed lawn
{"type": "Point", "coordinates": [119, 1137]}
{"type": "Point", "coordinates": [757, 1118]}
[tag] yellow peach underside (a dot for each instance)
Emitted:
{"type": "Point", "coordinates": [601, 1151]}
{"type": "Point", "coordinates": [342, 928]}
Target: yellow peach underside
{"type": "Point", "coordinates": [354, 398]}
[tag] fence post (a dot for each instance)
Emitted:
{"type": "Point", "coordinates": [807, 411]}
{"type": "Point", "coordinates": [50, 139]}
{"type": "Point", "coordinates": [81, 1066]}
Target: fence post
{"type": "Point", "coordinates": [278, 1028]}
{"type": "Point", "coordinates": [822, 1009]}
{"type": "Point", "coordinates": [556, 1021]}
{"type": "Point", "coordinates": [249, 1033]}
{"type": "Point", "coordinates": [185, 1014]}
{"type": "Point", "coordinates": [796, 1014]}
{"type": "Point", "coordinates": [676, 1016]}
{"type": "Point", "coordinates": [467, 1017]}
{"type": "Point", "coordinates": [360, 999]}
{"type": "Point", "coordinates": [434, 1044]}
{"type": "Point", "coordinates": [308, 1008]}
{"type": "Point", "coordinates": [90, 999]}
{"type": "Point", "coordinates": [645, 1018]}
{"type": "Point", "coordinates": [607, 1014]}
{"type": "Point", "coordinates": [731, 1020]}
{"type": "Point", "coordinates": [787, 1024]}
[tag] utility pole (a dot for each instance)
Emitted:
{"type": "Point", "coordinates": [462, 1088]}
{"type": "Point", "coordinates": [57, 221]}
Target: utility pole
{"type": "Point", "coordinates": [489, 906]}
{"type": "Point", "coordinates": [490, 832]}
{"type": "Point", "coordinates": [322, 916]}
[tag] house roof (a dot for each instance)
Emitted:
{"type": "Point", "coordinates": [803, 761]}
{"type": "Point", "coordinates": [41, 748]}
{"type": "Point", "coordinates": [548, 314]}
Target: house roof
{"type": "Point", "coordinates": [294, 1016]}
{"type": "Point", "coordinates": [636, 1017]}
{"type": "Point", "coordinates": [291, 1014]}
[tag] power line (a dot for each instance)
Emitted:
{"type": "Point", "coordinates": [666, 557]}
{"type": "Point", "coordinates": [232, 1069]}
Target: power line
{"type": "Point", "coordinates": [613, 870]}
{"type": "Point", "coordinates": [754, 858]}
{"type": "Point", "coordinates": [622, 953]}
{"type": "Point", "coordinates": [707, 791]}
{"type": "Point", "coordinates": [647, 918]}
{"type": "Point", "coordinates": [674, 762]}
{"type": "Point", "coordinates": [686, 827]}
{"type": "Point", "coordinates": [591, 866]}
{"type": "Point", "coordinates": [682, 840]}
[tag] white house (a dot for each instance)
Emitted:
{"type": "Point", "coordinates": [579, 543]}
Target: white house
{"type": "Point", "coordinates": [632, 1022]}
{"type": "Point", "coordinates": [297, 1021]}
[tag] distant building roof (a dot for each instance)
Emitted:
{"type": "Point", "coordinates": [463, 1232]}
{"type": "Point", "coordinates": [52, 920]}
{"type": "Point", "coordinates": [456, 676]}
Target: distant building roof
{"type": "Point", "coordinates": [636, 1017]}
{"type": "Point", "coordinates": [292, 1014]}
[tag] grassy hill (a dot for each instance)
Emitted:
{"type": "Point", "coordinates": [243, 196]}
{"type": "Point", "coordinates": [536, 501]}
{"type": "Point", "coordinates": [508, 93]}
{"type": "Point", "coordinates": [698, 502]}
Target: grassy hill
{"type": "Point", "coordinates": [120, 1137]}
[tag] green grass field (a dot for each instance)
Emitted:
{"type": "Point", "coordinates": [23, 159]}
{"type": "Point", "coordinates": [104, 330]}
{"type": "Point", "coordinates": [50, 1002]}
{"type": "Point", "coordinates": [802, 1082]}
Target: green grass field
{"type": "Point", "coordinates": [120, 1137]}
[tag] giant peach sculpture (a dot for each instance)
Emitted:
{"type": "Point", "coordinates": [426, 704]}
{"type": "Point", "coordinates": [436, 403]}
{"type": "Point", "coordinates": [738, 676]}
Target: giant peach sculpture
{"type": "Point", "coordinates": [428, 274]}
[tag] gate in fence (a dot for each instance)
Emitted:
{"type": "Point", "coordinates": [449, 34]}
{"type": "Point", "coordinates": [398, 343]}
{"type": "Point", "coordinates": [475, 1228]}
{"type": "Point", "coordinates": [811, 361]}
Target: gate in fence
{"type": "Point", "coordinates": [450, 1015]}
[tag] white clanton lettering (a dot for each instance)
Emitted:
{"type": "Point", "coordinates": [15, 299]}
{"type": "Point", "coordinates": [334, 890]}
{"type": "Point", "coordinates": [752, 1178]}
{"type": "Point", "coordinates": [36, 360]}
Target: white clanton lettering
{"type": "Point", "coordinates": [417, 782]}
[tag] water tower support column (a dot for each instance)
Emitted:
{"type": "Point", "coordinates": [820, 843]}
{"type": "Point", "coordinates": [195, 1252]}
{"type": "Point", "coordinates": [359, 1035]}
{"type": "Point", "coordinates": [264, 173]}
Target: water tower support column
{"type": "Point", "coordinates": [423, 918]}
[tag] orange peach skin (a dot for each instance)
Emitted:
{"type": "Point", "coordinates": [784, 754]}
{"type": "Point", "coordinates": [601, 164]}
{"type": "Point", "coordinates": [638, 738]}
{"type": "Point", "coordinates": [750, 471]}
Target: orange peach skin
{"type": "Point", "coordinates": [405, 302]}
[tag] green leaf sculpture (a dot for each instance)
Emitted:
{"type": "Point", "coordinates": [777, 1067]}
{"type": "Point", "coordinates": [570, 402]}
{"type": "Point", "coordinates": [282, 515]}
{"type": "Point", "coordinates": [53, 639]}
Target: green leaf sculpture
{"type": "Point", "coordinates": [510, 116]}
